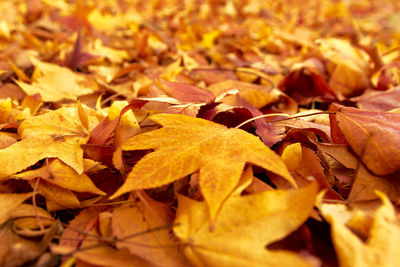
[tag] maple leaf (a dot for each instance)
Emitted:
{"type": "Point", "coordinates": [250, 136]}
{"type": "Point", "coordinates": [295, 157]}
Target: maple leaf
{"type": "Point", "coordinates": [186, 145]}
{"type": "Point", "coordinates": [49, 76]}
{"type": "Point", "coordinates": [381, 247]}
{"type": "Point", "coordinates": [244, 226]}
{"type": "Point", "coordinates": [54, 134]}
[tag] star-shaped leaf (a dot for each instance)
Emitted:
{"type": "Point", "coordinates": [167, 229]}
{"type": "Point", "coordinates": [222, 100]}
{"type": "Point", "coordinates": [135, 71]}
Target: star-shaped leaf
{"type": "Point", "coordinates": [57, 134]}
{"type": "Point", "coordinates": [245, 225]}
{"type": "Point", "coordinates": [186, 145]}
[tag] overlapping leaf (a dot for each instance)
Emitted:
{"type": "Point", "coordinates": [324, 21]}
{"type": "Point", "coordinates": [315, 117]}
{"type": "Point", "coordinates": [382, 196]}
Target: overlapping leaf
{"type": "Point", "coordinates": [374, 136]}
{"type": "Point", "coordinates": [380, 248]}
{"type": "Point", "coordinates": [185, 145]}
{"type": "Point", "coordinates": [244, 226]}
{"type": "Point", "coordinates": [54, 134]}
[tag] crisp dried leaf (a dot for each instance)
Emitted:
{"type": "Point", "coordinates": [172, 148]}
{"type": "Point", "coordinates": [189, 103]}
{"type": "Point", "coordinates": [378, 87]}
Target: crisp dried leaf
{"type": "Point", "coordinates": [291, 156]}
{"type": "Point", "coordinates": [185, 145]}
{"type": "Point", "coordinates": [378, 100]}
{"type": "Point", "coordinates": [108, 256]}
{"type": "Point", "coordinates": [351, 66]}
{"type": "Point", "coordinates": [16, 251]}
{"type": "Point", "coordinates": [243, 228]}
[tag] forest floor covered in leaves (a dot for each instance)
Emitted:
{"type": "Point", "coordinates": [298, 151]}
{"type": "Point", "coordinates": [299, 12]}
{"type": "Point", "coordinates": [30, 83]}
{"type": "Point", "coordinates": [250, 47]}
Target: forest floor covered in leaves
{"type": "Point", "coordinates": [199, 133]}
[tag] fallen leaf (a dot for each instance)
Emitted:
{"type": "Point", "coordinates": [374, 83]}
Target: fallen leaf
{"type": "Point", "coordinates": [157, 246]}
{"type": "Point", "coordinates": [57, 198]}
{"type": "Point", "coordinates": [10, 202]}
{"type": "Point", "coordinates": [256, 95]}
{"type": "Point", "coordinates": [60, 174]}
{"type": "Point", "coordinates": [194, 144]}
{"type": "Point", "coordinates": [187, 92]}
{"type": "Point", "coordinates": [372, 135]}
{"type": "Point", "coordinates": [378, 100]}
{"type": "Point", "coordinates": [380, 249]}
{"type": "Point", "coordinates": [53, 134]}
{"type": "Point", "coordinates": [240, 235]}
{"type": "Point", "coordinates": [69, 85]}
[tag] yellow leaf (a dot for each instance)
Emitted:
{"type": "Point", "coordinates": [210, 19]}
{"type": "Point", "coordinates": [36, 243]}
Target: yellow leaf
{"type": "Point", "coordinates": [172, 70]}
{"type": "Point", "coordinates": [127, 127]}
{"type": "Point", "coordinates": [20, 73]}
{"type": "Point", "coordinates": [54, 134]}
{"type": "Point", "coordinates": [57, 198]}
{"type": "Point", "coordinates": [186, 145]}
{"type": "Point", "coordinates": [83, 116]}
{"type": "Point", "coordinates": [209, 38]}
{"type": "Point", "coordinates": [60, 174]}
{"type": "Point", "coordinates": [291, 156]}
{"type": "Point", "coordinates": [55, 83]}
{"type": "Point", "coordinates": [32, 102]}
{"type": "Point", "coordinates": [25, 217]}
{"type": "Point", "coordinates": [381, 247]}
{"type": "Point", "coordinates": [349, 66]}
{"type": "Point", "coordinates": [100, 254]}
{"type": "Point", "coordinates": [109, 256]}
{"type": "Point", "coordinates": [244, 227]}
{"type": "Point", "coordinates": [5, 110]}
{"type": "Point", "coordinates": [9, 202]}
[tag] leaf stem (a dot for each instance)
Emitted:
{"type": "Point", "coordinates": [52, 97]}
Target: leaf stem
{"type": "Point", "coordinates": [288, 117]}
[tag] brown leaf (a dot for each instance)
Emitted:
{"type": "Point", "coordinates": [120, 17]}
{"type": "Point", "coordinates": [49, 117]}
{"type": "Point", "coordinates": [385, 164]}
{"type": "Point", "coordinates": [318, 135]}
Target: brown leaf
{"type": "Point", "coordinates": [373, 136]}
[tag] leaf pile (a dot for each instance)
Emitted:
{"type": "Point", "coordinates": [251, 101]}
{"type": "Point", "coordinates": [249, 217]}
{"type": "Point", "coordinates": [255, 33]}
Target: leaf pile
{"type": "Point", "coordinates": [199, 133]}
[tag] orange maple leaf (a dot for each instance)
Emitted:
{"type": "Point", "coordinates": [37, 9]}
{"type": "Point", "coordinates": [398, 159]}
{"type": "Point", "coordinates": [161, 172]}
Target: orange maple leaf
{"type": "Point", "coordinates": [186, 145]}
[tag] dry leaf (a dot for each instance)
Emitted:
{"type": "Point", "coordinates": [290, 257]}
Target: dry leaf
{"type": "Point", "coordinates": [240, 235]}
{"type": "Point", "coordinates": [53, 134]}
{"type": "Point", "coordinates": [186, 145]}
{"type": "Point", "coordinates": [380, 249]}
{"type": "Point", "coordinates": [373, 136]}
{"type": "Point", "coordinates": [69, 84]}
{"type": "Point", "coordinates": [156, 247]}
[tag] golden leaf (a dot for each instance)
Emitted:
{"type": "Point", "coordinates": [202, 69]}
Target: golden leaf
{"type": "Point", "coordinates": [54, 134]}
{"type": "Point", "coordinates": [55, 83]}
{"type": "Point", "coordinates": [381, 247]}
{"type": "Point", "coordinates": [186, 145]}
{"type": "Point", "coordinates": [243, 228]}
